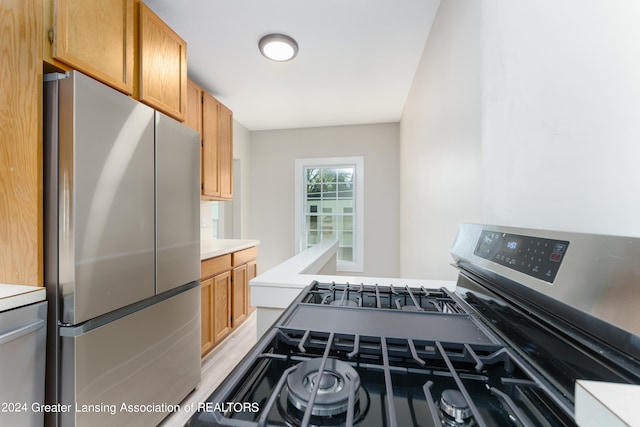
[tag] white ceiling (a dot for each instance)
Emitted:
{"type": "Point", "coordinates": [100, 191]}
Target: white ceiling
{"type": "Point", "coordinates": [356, 62]}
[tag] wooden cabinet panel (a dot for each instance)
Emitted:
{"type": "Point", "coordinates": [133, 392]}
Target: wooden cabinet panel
{"type": "Point", "coordinates": [21, 215]}
{"type": "Point", "coordinates": [225, 144]}
{"type": "Point", "coordinates": [163, 65]}
{"type": "Point", "coordinates": [221, 305]}
{"type": "Point", "coordinates": [96, 37]}
{"type": "Point", "coordinates": [238, 288]}
{"type": "Point", "coordinates": [244, 256]}
{"type": "Point", "coordinates": [210, 171]}
{"type": "Point", "coordinates": [193, 114]}
{"type": "Point", "coordinates": [212, 266]}
{"type": "Point", "coordinates": [207, 338]}
{"type": "Point", "coordinates": [217, 149]}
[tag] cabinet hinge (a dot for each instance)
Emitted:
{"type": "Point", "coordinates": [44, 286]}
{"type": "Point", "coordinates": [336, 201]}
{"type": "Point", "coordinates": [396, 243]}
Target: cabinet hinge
{"type": "Point", "coordinates": [50, 35]}
{"type": "Point", "coordinates": [202, 186]}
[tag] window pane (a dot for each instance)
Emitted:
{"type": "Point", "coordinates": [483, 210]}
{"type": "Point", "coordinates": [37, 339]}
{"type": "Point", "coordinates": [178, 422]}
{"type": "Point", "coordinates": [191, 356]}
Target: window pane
{"type": "Point", "coordinates": [345, 175]}
{"type": "Point", "coordinates": [329, 175]}
{"type": "Point", "coordinates": [328, 206]}
{"type": "Point", "coordinates": [313, 175]}
{"type": "Point", "coordinates": [329, 191]}
{"type": "Point", "coordinates": [345, 206]}
{"type": "Point", "coordinates": [345, 254]}
{"type": "Point", "coordinates": [345, 223]}
{"type": "Point", "coordinates": [314, 195]}
{"type": "Point", "coordinates": [312, 223]}
{"type": "Point", "coordinates": [346, 238]}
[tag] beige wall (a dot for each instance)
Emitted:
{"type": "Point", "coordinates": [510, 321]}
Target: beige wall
{"type": "Point", "coordinates": [271, 214]}
{"type": "Point", "coordinates": [440, 154]}
{"type": "Point", "coordinates": [242, 202]}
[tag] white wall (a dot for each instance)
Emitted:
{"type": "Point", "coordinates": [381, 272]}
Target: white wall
{"type": "Point", "coordinates": [272, 188]}
{"type": "Point", "coordinates": [561, 114]}
{"type": "Point", "coordinates": [440, 155]}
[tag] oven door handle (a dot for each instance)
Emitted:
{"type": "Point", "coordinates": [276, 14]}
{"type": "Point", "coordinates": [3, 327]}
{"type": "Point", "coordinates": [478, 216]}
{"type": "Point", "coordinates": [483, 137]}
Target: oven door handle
{"type": "Point", "coordinates": [20, 332]}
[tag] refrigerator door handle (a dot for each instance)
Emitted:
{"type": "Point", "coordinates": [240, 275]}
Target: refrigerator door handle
{"type": "Point", "coordinates": [20, 332]}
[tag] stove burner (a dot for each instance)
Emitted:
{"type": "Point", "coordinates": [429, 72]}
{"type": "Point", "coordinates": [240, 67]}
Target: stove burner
{"type": "Point", "coordinates": [455, 408]}
{"type": "Point", "coordinates": [334, 384]}
{"type": "Point", "coordinates": [344, 303]}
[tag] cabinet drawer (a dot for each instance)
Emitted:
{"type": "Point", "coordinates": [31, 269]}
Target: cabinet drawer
{"type": "Point", "coordinates": [244, 256]}
{"type": "Point", "coordinates": [216, 265]}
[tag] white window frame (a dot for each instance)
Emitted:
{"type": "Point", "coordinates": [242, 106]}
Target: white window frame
{"type": "Point", "coordinates": [357, 265]}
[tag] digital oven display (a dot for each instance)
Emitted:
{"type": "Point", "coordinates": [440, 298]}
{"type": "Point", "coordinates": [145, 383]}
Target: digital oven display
{"type": "Point", "coordinates": [537, 257]}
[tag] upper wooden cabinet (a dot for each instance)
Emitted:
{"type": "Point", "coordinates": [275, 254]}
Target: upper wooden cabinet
{"type": "Point", "coordinates": [225, 155]}
{"type": "Point", "coordinates": [95, 37]}
{"type": "Point", "coordinates": [216, 129]}
{"type": "Point", "coordinates": [121, 43]}
{"type": "Point", "coordinates": [163, 66]}
{"type": "Point", "coordinates": [193, 115]}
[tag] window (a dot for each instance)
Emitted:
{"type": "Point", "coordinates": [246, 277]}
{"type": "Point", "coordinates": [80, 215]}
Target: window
{"type": "Point", "coordinates": [210, 220]}
{"type": "Point", "coordinates": [329, 200]}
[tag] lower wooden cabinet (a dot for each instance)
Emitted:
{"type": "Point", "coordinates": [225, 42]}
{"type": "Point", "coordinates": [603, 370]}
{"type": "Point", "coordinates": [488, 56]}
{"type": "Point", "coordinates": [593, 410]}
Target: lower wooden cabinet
{"type": "Point", "coordinates": [221, 306]}
{"type": "Point", "coordinates": [225, 294]}
{"type": "Point", "coordinates": [207, 339]}
{"type": "Point", "coordinates": [240, 285]}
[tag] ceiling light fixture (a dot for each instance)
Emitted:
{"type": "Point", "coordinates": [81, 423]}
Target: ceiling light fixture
{"type": "Point", "coordinates": [278, 47]}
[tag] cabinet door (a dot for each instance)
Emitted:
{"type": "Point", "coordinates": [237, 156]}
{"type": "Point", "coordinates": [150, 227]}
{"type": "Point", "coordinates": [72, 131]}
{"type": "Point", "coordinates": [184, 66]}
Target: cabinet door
{"type": "Point", "coordinates": [217, 149]}
{"type": "Point", "coordinates": [252, 272]}
{"type": "Point", "coordinates": [207, 339]}
{"type": "Point", "coordinates": [221, 305]}
{"type": "Point", "coordinates": [225, 141]}
{"type": "Point", "coordinates": [96, 37]}
{"type": "Point", "coordinates": [238, 286]}
{"type": "Point", "coordinates": [163, 65]}
{"type": "Point", "coordinates": [210, 170]}
{"type": "Point", "coordinates": [193, 116]}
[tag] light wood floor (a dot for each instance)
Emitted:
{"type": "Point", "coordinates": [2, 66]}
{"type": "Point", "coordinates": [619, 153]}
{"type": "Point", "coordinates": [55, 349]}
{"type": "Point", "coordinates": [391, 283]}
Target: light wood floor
{"type": "Point", "coordinates": [215, 367]}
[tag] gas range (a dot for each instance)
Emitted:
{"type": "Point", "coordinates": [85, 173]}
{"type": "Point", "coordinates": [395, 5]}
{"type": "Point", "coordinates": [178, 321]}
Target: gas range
{"type": "Point", "coordinates": [366, 355]}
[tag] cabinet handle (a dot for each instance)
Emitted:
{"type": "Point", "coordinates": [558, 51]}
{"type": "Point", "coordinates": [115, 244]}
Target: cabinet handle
{"type": "Point", "coordinates": [20, 332]}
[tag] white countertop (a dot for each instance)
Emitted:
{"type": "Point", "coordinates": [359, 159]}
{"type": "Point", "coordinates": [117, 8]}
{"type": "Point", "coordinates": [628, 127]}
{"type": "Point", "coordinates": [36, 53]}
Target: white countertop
{"type": "Point", "coordinates": [13, 296]}
{"type": "Point", "coordinates": [606, 404]}
{"type": "Point", "coordinates": [278, 287]}
{"type": "Point", "coordinates": [217, 247]}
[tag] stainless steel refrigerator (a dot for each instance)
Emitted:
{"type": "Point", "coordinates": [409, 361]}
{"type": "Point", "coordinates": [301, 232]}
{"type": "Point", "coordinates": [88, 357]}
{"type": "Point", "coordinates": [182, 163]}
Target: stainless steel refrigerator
{"type": "Point", "coordinates": [122, 256]}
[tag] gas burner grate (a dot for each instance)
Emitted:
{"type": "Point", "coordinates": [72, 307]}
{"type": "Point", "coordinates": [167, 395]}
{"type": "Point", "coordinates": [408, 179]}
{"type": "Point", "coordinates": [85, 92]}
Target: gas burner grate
{"type": "Point", "coordinates": [400, 381]}
{"type": "Point", "coordinates": [490, 367]}
{"type": "Point", "coordinates": [383, 297]}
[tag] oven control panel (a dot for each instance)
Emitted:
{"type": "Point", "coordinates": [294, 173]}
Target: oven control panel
{"type": "Point", "coordinates": [535, 256]}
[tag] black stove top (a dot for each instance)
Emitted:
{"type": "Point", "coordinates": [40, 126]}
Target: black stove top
{"type": "Point", "coordinates": [533, 311]}
{"type": "Point", "coordinates": [375, 364]}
